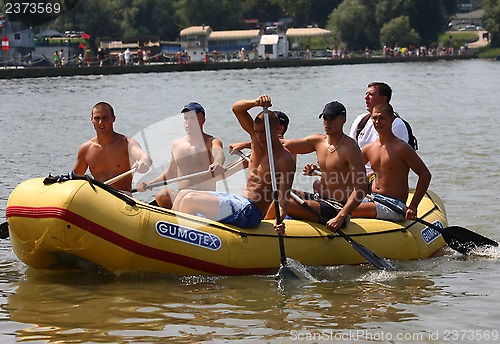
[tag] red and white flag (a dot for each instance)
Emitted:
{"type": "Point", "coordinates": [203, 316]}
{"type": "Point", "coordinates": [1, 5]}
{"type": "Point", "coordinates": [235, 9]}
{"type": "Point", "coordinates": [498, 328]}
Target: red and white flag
{"type": "Point", "coordinates": [5, 43]}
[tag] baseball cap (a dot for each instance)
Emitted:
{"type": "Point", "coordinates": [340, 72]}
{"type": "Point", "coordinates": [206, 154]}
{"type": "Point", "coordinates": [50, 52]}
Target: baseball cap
{"type": "Point", "coordinates": [284, 120]}
{"type": "Point", "coordinates": [333, 110]}
{"type": "Point", "coordinates": [195, 107]}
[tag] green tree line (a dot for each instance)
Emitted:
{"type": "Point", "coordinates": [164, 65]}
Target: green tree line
{"type": "Point", "coordinates": [355, 24]}
{"type": "Point", "coordinates": [491, 20]}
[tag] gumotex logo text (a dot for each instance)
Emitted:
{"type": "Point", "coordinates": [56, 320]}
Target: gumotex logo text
{"type": "Point", "coordinates": [188, 235]}
{"type": "Point", "coordinates": [430, 234]}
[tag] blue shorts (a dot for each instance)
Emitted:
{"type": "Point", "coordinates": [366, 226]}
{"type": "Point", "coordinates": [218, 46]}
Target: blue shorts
{"type": "Point", "coordinates": [237, 210]}
{"type": "Point", "coordinates": [385, 213]}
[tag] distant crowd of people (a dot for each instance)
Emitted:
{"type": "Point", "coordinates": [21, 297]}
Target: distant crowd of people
{"type": "Point", "coordinates": [127, 58]}
{"type": "Point", "coordinates": [142, 56]}
{"type": "Point", "coordinates": [123, 58]}
{"type": "Point", "coordinates": [402, 51]}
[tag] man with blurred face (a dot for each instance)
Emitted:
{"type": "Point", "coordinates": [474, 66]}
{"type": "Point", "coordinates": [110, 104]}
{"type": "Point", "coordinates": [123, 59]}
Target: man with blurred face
{"type": "Point", "coordinates": [195, 152]}
{"type": "Point", "coordinates": [247, 210]}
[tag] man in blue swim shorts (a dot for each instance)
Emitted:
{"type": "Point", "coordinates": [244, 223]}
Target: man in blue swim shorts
{"type": "Point", "coordinates": [237, 210]}
{"type": "Point", "coordinates": [247, 210]}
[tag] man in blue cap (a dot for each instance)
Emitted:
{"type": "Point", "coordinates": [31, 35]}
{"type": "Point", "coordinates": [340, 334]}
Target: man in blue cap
{"type": "Point", "coordinates": [195, 152]}
{"type": "Point", "coordinates": [246, 210]}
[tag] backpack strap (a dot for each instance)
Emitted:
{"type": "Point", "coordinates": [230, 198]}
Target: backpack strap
{"type": "Point", "coordinates": [412, 140]}
{"type": "Point", "coordinates": [362, 124]}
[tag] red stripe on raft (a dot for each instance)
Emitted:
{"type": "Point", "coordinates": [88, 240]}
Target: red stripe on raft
{"type": "Point", "coordinates": [130, 245]}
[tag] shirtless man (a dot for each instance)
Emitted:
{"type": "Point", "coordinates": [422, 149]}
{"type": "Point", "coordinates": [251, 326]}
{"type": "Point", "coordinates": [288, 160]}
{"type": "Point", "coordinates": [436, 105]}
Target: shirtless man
{"type": "Point", "coordinates": [109, 153]}
{"type": "Point", "coordinates": [343, 177]}
{"type": "Point", "coordinates": [194, 152]}
{"type": "Point", "coordinates": [246, 210]}
{"type": "Point", "coordinates": [391, 160]}
{"type": "Point", "coordinates": [282, 128]}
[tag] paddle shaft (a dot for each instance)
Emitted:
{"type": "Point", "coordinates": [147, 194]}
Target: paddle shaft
{"type": "Point", "coordinates": [274, 183]}
{"type": "Point", "coordinates": [243, 155]}
{"type": "Point", "coordinates": [369, 255]}
{"type": "Point", "coordinates": [120, 176]}
{"type": "Point", "coordinates": [175, 180]}
{"type": "Point", "coordinates": [275, 189]}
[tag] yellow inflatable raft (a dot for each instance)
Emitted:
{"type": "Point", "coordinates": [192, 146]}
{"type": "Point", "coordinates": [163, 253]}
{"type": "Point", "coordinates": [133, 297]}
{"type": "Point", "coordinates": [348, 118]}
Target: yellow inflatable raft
{"type": "Point", "coordinates": [80, 223]}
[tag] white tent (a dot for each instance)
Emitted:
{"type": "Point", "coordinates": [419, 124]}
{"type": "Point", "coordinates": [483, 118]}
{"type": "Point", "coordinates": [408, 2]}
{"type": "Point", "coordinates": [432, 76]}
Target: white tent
{"type": "Point", "coordinates": [269, 39]}
{"type": "Point", "coordinates": [49, 33]}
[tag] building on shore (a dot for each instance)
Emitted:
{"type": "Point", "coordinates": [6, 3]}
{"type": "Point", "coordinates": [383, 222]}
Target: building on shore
{"type": "Point", "coordinates": [197, 43]}
{"type": "Point", "coordinates": [230, 43]}
{"type": "Point", "coordinates": [470, 21]}
{"type": "Point", "coordinates": [252, 44]}
{"type": "Point", "coordinates": [296, 36]}
{"type": "Point", "coordinates": [18, 42]}
{"type": "Point", "coordinates": [194, 41]}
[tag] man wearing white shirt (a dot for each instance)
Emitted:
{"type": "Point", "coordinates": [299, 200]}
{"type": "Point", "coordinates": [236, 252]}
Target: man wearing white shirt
{"type": "Point", "coordinates": [376, 93]}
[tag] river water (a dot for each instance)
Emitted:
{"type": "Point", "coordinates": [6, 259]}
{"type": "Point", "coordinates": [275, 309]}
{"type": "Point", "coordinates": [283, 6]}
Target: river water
{"type": "Point", "coordinates": [452, 107]}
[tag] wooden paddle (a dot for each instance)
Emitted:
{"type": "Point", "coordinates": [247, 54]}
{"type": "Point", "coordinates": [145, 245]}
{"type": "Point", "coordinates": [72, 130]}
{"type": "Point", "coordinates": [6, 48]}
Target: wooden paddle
{"type": "Point", "coordinates": [458, 238]}
{"type": "Point", "coordinates": [369, 255]}
{"type": "Point", "coordinates": [175, 180]}
{"type": "Point", "coordinates": [188, 176]}
{"type": "Point", "coordinates": [120, 176]}
{"type": "Point", "coordinates": [284, 271]}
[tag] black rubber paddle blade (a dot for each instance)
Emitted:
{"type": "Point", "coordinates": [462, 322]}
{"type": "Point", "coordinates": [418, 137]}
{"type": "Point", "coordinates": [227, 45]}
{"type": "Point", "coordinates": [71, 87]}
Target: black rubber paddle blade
{"type": "Point", "coordinates": [464, 240]}
{"type": "Point", "coordinates": [286, 273]}
{"type": "Point", "coordinates": [369, 255]}
{"type": "Point", "coordinates": [4, 230]}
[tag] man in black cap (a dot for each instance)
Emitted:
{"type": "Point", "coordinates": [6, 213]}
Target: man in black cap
{"type": "Point", "coordinates": [192, 153]}
{"type": "Point", "coordinates": [282, 128]}
{"type": "Point", "coordinates": [284, 121]}
{"type": "Point", "coordinates": [343, 179]}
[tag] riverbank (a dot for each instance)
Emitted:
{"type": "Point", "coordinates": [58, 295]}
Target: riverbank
{"type": "Point", "coordinates": [39, 72]}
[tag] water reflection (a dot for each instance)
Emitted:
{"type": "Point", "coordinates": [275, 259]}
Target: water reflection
{"type": "Point", "coordinates": [82, 307]}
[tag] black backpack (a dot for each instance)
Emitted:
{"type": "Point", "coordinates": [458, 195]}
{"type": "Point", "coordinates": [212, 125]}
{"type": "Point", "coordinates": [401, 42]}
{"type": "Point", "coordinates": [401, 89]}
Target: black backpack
{"type": "Point", "coordinates": [412, 140]}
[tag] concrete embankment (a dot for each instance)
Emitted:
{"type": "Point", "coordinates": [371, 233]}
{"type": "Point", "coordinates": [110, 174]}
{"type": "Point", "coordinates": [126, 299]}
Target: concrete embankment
{"type": "Point", "coordinates": [34, 72]}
